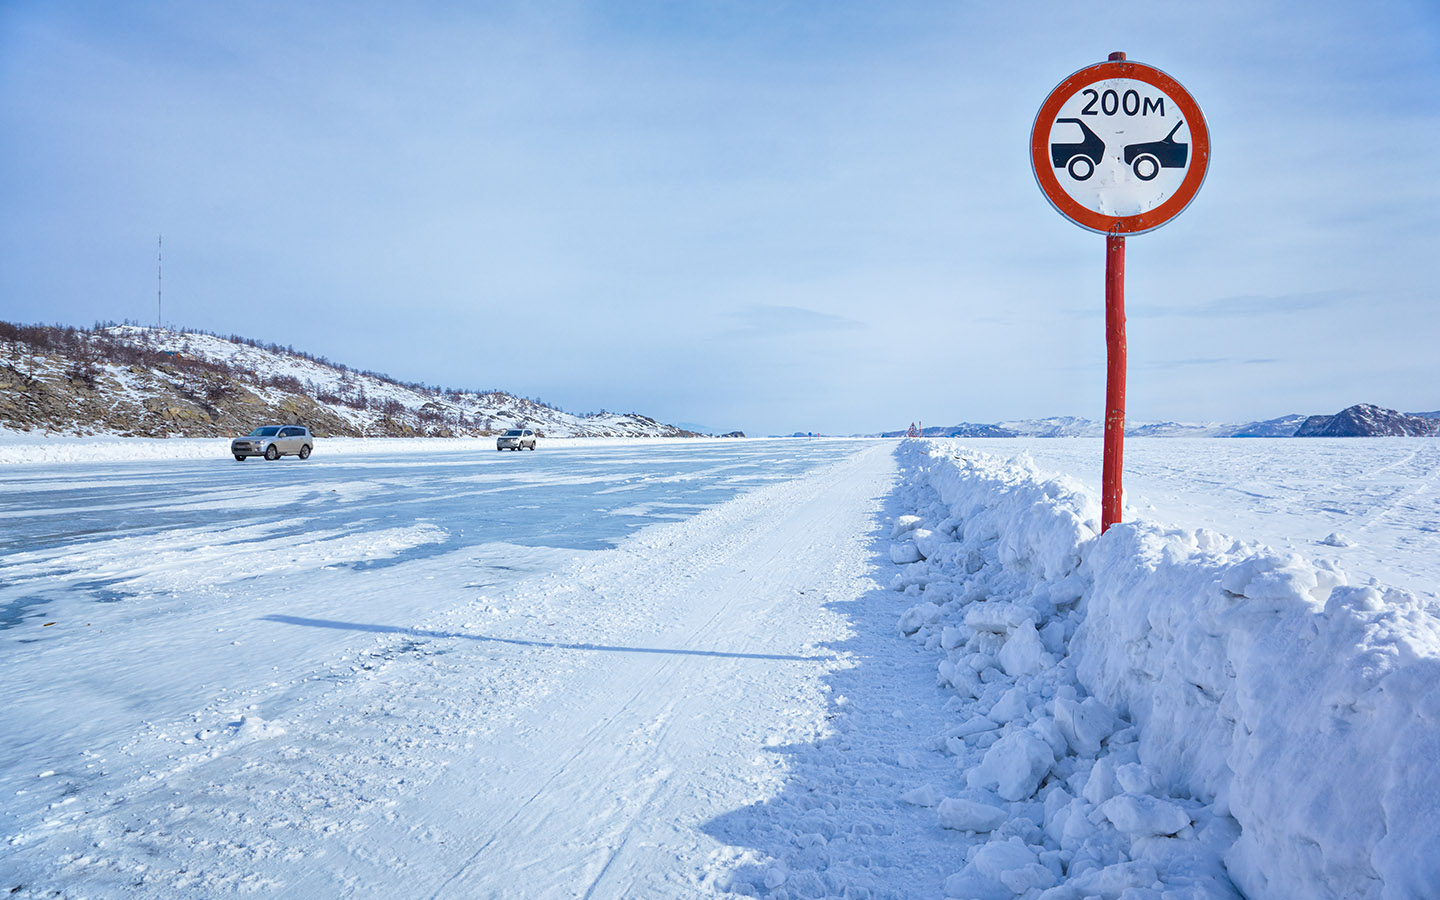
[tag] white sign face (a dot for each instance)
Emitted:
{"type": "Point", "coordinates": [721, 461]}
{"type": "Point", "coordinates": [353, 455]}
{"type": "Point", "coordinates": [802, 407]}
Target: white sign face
{"type": "Point", "coordinates": [1120, 147]}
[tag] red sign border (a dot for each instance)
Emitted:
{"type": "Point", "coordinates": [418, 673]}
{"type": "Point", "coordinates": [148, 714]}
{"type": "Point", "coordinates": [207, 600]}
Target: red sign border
{"type": "Point", "coordinates": [1089, 219]}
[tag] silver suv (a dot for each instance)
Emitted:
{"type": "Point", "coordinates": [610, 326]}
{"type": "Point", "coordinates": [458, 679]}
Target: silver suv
{"type": "Point", "coordinates": [516, 439]}
{"type": "Point", "coordinates": [273, 442]}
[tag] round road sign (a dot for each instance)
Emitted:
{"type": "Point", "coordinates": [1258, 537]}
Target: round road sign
{"type": "Point", "coordinates": [1120, 147]}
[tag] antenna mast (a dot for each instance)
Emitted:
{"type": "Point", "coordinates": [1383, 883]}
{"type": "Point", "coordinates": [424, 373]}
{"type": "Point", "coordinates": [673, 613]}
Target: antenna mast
{"type": "Point", "coordinates": [159, 278]}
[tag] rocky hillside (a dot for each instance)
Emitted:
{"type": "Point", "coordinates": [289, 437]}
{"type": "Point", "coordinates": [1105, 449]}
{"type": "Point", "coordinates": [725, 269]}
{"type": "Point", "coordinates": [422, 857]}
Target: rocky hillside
{"type": "Point", "coordinates": [1366, 420]}
{"type": "Point", "coordinates": [133, 381]}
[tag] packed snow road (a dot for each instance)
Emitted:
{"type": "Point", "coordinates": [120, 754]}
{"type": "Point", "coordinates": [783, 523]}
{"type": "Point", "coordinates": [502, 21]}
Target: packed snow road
{"type": "Point", "coordinates": [415, 676]}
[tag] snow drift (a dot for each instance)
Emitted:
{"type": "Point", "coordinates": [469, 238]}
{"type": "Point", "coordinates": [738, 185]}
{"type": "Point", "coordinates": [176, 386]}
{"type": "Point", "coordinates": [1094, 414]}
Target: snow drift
{"type": "Point", "coordinates": [1173, 698]}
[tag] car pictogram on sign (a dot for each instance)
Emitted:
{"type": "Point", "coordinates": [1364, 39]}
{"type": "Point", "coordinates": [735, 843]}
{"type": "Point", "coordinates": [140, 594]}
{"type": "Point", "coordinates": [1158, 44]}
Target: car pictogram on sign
{"type": "Point", "coordinates": [1147, 159]}
{"type": "Point", "coordinates": [1079, 159]}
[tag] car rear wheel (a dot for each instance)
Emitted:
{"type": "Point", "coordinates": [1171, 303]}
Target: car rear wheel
{"type": "Point", "coordinates": [1146, 167]}
{"type": "Point", "coordinates": [305, 451]}
{"type": "Point", "coordinates": [1080, 167]}
{"type": "Point", "coordinates": [272, 453]}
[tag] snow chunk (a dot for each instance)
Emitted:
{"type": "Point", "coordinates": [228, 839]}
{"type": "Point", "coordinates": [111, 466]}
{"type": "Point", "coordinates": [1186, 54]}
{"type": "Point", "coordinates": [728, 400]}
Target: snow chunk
{"type": "Point", "coordinates": [1000, 869]}
{"type": "Point", "coordinates": [1013, 766]}
{"type": "Point", "coordinates": [1084, 724]}
{"type": "Point", "coordinates": [904, 525]}
{"type": "Point", "coordinates": [959, 814]}
{"type": "Point", "coordinates": [917, 616]}
{"type": "Point", "coordinates": [1336, 539]}
{"type": "Point", "coordinates": [998, 616]}
{"type": "Point", "coordinates": [1024, 652]}
{"type": "Point", "coordinates": [776, 874]}
{"type": "Point", "coordinates": [1134, 778]}
{"type": "Point", "coordinates": [929, 542]}
{"type": "Point", "coordinates": [926, 795]}
{"type": "Point", "coordinates": [904, 552]}
{"type": "Point", "coordinates": [1140, 814]}
{"type": "Point", "coordinates": [1013, 704]}
{"type": "Point", "coordinates": [1271, 578]}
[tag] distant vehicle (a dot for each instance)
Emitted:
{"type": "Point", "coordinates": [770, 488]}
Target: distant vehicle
{"type": "Point", "coordinates": [516, 439]}
{"type": "Point", "coordinates": [1147, 159]}
{"type": "Point", "coordinates": [273, 442]}
{"type": "Point", "coordinates": [1079, 159]}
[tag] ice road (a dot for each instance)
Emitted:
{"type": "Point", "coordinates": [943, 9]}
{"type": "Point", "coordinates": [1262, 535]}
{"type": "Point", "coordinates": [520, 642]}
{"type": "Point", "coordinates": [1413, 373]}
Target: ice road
{"type": "Point", "coordinates": [417, 674]}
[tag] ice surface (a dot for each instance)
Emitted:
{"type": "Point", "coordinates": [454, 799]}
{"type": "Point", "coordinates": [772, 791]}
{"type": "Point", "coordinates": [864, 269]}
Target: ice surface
{"type": "Point", "coordinates": [282, 679]}
{"type": "Point", "coordinates": [1379, 496]}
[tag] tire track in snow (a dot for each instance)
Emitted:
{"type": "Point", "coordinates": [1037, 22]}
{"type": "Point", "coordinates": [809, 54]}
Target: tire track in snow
{"type": "Point", "coordinates": [1395, 503]}
{"type": "Point", "coordinates": [587, 743]}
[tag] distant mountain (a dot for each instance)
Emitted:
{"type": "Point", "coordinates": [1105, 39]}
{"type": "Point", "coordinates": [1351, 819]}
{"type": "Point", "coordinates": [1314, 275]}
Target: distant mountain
{"type": "Point", "coordinates": [129, 380]}
{"type": "Point", "coordinates": [1364, 420]}
{"type": "Point", "coordinates": [971, 430]}
{"type": "Point", "coordinates": [1056, 426]}
{"type": "Point", "coordinates": [1367, 420]}
{"type": "Point", "coordinates": [963, 430]}
{"type": "Point", "coordinates": [1061, 427]}
{"type": "Point", "coordinates": [1285, 426]}
{"type": "Point", "coordinates": [1176, 429]}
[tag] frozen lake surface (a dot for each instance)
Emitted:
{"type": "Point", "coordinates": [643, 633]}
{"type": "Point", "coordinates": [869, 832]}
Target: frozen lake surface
{"type": "Point", "coordinates": [1370, 504]}
{"type": "Point", "coordinates": [163, 614]}
{"type": "Point", "coordinates": [602, 669]}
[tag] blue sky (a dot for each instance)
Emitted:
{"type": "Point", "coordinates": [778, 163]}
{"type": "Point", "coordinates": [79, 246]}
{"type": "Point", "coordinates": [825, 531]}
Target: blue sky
{"type": "Point", "coordinates": [757, 215]}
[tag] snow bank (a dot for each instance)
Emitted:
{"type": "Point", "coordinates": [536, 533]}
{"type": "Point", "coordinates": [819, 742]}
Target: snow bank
{"type": "Point", "coordinates": [1159, 701]}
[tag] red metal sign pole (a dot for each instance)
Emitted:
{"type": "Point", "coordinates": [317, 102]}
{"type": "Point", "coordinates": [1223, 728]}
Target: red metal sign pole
{"type": "Point", "coordinates": [1102, 92]}
{"type": "Point", "coordinates": [1112, 472]}
{"type": "Point", "coordinates": [1110, 487]}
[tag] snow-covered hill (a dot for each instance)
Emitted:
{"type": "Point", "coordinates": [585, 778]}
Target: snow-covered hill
{"type": "Point", "coordinates": [129, 380]}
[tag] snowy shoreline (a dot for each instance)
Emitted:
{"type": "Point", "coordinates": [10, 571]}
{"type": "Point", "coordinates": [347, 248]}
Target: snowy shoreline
{"type": "Point", "coordinates": [1244, 705]}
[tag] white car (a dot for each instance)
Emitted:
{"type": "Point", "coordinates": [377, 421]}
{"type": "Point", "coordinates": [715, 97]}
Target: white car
{"type": "Point", "coordinates": [516, 439]}
{"type": "Point", "coordinates": [273, 442]}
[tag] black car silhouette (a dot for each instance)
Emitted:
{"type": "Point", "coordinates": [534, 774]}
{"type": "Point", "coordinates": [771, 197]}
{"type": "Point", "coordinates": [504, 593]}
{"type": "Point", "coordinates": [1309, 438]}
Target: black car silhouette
{"type": "Point", "coordinates": [1079, 159]}
{"type": "Point", "coordinates": [1147, 159]}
